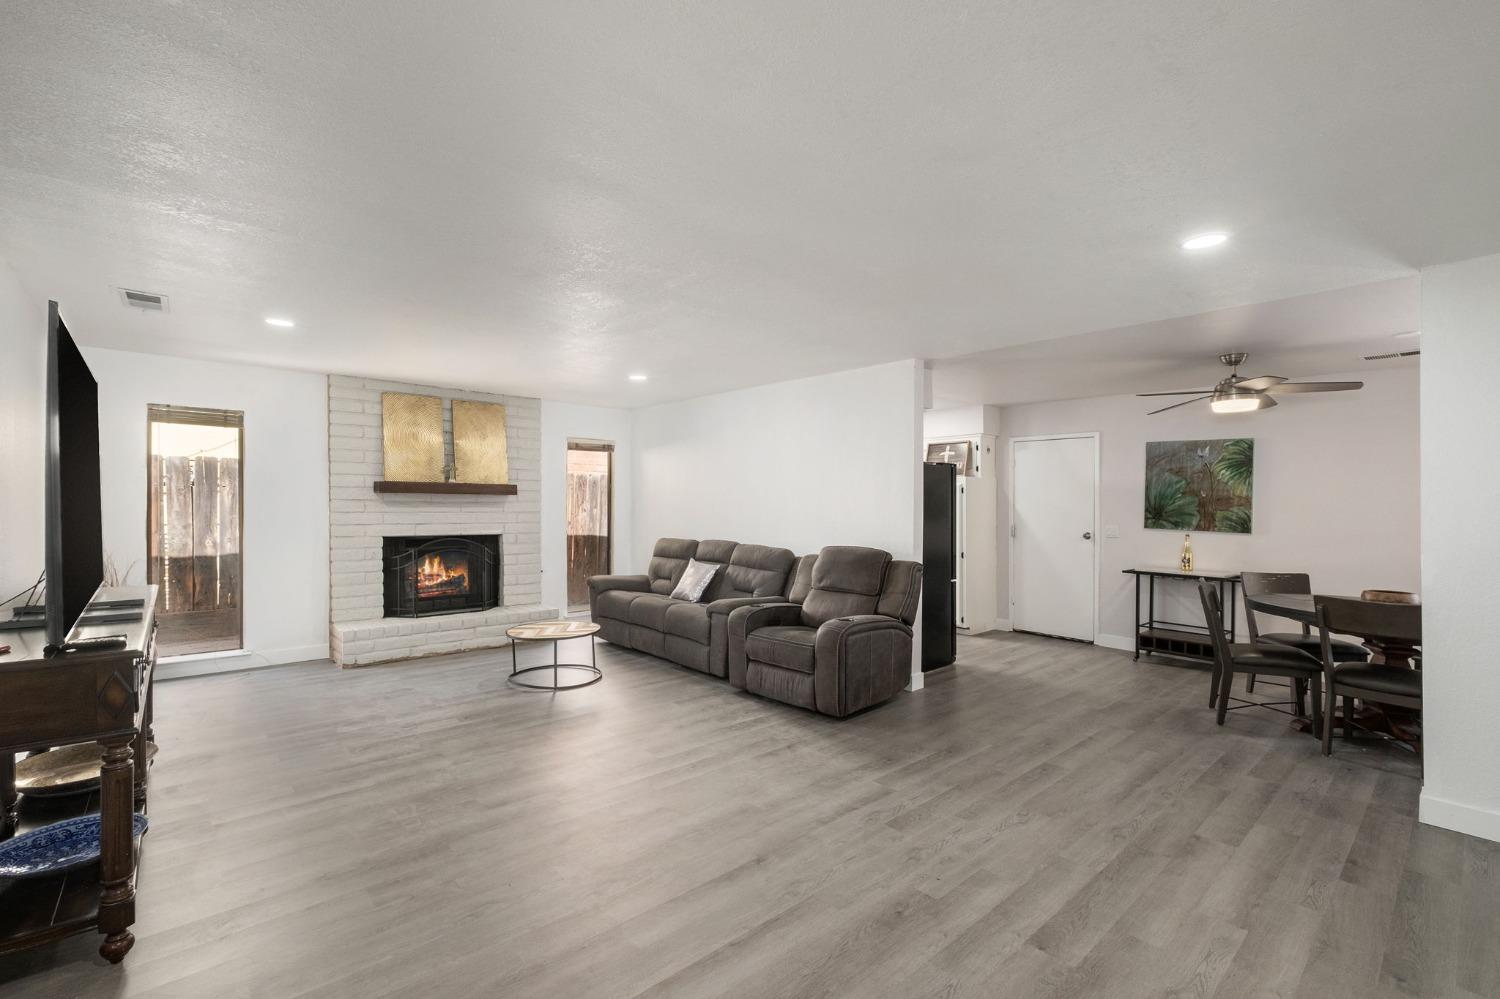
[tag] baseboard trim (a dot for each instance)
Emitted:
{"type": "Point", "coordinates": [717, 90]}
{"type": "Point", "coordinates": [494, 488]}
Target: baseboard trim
{"type": "Point", "coordinates": [184, 667]}
{"type": "Point", "coordinates": [1120, 642]}
{"type": "Point", "coordinates": [1446, 814]}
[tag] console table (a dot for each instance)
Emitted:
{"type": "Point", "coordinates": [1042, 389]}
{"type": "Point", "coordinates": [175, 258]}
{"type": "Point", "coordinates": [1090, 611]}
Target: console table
{"type": "Point", "coordinates": [62, 699]}
{"type": "Point", "coordinates": [1181, 640]}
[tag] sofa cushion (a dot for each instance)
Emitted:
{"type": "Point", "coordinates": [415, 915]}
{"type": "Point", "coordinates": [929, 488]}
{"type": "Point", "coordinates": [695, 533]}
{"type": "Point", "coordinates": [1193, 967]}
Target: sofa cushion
{"type": "Point", "coordinates": [650, 610]}
{"type": "Point", "coordinates": [687, 620]}
{"type": "Point", "coordinates": [715, 551]}
{"type": "Point", "coordinates": [616, 603]}
{"type": "Point", "coordinates": [753, 571]}
{"type": "Point", "coordinates": [792, 647]}
{"type": "Point", "coordinates": [668, 559]}
{"type": "Point", "coordinates": [850, 570]}
{"type": "Point", "coordinates": [845, 581]}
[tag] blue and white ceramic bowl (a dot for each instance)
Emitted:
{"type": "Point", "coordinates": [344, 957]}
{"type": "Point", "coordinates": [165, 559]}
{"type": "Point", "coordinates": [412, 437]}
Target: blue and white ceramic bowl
{"type": "Point", "coordinates": [62, 846]}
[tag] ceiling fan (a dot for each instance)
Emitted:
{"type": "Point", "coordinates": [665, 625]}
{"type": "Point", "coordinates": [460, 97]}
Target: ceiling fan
{"type": "Point", "coordinates": [1236, 394]}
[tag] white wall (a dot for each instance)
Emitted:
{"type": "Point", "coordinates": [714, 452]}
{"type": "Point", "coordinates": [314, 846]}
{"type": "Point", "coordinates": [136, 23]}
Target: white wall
{"type": "Point", "coordinates": [1460, 552]}
{"type": "Point", "coordinates": [961, 421]}
{"type": "Point", "coordinates": [1335, 492]}
{"type": "Point", "coordinates": [23, 406]}
{"type": "Point", "coordinates": [562, 422]}
{"type": "Point", "coordinates": [830, 460]}
{"type": "Point", "coordinates": [285, 484]}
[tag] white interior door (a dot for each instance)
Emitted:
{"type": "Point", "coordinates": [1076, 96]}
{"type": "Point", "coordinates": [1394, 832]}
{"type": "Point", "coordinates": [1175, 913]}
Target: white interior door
{"type": "Point", "coordinates": [1053, 487]}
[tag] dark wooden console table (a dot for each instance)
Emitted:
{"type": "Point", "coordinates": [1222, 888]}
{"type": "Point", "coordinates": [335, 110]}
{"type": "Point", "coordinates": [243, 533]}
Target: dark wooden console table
{"type": "Point", "coordinates": [48, 701]}
{"type": "Point", "coordinates": [1181, 640]}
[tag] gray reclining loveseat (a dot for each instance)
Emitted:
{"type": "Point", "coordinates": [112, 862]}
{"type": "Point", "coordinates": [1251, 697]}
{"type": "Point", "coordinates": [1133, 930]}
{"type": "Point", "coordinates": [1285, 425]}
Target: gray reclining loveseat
{"type": "Point", "coordinates": [639, 613]}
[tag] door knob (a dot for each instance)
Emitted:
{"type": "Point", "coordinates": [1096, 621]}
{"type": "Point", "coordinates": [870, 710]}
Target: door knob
{"type": "Point", "coordinates": [1088, 535]}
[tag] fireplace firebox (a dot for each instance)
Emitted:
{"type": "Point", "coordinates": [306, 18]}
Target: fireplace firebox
{"type": "Point", "coordinates": [442, 575]}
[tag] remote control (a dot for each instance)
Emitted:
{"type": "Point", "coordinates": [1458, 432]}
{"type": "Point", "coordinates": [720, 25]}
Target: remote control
{"type": "Point", "coordinates": [99, 644]}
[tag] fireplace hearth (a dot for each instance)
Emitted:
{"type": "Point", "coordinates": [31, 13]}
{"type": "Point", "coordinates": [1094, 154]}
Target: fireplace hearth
{"type": "Point", "coordinates": [441, 575]}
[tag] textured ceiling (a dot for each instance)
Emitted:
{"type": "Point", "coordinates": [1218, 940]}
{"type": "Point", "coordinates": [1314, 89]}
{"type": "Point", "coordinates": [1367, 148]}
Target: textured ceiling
{"type": "Point", "coordinates": [1326, 333]}
{"type": "Point", "coordinates": [543, 197]}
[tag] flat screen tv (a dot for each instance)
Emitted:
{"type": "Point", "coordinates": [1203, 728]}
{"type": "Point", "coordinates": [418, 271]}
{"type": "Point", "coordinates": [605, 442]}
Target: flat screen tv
{"type": "Point", "coordinates": [75, 533]}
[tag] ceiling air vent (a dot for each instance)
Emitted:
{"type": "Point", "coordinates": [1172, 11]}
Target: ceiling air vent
{"type": "Point", "coordinates": [143, 300]}
{"type": "Point", "coordinates": [1392, 355]}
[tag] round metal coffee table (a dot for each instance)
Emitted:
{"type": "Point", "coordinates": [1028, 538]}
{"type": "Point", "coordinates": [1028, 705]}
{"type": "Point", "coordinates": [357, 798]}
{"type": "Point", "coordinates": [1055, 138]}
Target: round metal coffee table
{"type": "Point", "coordinates": [554, 632]}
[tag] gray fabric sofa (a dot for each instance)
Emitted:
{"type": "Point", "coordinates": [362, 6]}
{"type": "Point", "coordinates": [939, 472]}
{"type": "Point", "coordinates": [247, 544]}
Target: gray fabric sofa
{"type": "Point", "coordinates": [841, 642]}
{"type": "Point", "coordinates": [638, 612]}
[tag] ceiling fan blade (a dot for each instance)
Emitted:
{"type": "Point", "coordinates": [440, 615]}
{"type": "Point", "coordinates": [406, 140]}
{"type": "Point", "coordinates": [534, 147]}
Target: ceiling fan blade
{"type": "Point", "coordinates": [1260, 383]}
{"type": "Point", "coordinates": [1183, 403]}
{"type": "Point", "coordinates": [1144, 395]}
{"type": "Point", "coordinates": [1289, 387]}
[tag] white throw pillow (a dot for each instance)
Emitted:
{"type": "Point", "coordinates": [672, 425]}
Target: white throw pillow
{"type": "Point", "coordinates": [695, 579]}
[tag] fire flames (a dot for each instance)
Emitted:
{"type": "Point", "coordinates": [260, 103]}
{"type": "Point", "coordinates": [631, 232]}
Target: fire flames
{"type": "Point", "coordinates": [437, 577]}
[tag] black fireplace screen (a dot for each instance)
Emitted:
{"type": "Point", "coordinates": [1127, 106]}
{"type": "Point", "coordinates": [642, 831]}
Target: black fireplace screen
{"type": "Point", "coordinates": [441, 575]}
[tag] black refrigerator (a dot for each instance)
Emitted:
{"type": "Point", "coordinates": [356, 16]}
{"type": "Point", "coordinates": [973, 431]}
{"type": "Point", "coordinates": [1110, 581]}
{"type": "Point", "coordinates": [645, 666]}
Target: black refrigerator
{"type": "Point", "coordinates": [939, 564]}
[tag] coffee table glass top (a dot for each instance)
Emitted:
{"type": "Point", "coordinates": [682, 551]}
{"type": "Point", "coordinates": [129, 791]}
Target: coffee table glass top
{"type": "Point", "coordinates": [535, 631]}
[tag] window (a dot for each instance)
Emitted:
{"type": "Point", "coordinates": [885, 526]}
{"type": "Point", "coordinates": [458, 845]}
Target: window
{"type": "Point", "coordinates": [194, 515]}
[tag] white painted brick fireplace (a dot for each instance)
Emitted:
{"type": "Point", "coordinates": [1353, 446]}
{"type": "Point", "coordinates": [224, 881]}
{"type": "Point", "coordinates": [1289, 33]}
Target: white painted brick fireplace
{"type": "Point", "coordinates": [359, 520]}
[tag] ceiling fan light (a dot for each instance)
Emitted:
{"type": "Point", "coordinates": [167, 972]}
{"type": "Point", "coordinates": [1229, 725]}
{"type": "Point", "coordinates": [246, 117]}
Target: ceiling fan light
{"type": "Point", "coordinates": [1230, 401]}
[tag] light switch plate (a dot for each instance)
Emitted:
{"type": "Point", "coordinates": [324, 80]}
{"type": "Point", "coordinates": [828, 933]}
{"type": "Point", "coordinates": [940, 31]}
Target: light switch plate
{"type": "Point", "coordinates": [1111, 530]}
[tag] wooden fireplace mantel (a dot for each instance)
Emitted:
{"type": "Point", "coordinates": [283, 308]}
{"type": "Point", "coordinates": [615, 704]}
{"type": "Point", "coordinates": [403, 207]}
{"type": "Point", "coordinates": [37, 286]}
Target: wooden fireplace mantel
{"type": "Point", "coordinates": [448, 488]}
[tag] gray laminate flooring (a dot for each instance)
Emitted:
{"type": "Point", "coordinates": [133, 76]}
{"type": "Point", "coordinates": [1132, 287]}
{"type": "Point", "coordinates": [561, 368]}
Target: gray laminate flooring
{"type": "Point", "coordinates": [1048, 819]}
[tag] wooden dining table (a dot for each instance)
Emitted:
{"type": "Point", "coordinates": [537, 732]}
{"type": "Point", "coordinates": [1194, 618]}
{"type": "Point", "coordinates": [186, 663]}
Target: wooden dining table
{"type": "Point", "coordinates": [1385, 650]}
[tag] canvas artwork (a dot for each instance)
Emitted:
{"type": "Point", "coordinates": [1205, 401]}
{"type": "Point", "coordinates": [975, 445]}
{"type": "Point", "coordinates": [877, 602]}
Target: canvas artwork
{"type": "Point", "coordinates": [412, 428]}
{"type": "Point", "coordinates": [479, 446]}
{"type": "Point", "coordinates": [1200, 485]}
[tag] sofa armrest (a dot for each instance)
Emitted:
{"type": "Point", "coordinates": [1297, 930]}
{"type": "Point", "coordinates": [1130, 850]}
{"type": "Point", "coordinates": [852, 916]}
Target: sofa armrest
{"type": "Point", "coordinates": [603, 584]}
{"type": "Point", "coordinates": [718, 628]}
{"type": "Point", "coordinates": [598, 584]}
{"type": "Point", "coordinates": [744, 620]}
{"type": "Point", "coordinates": [860, 660]}
{"type": "Point", "coordinates": [724, 606]}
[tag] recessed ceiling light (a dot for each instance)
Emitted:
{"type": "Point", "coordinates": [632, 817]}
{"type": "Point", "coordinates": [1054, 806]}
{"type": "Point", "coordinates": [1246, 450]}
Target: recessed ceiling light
{"type": "Point", "coordinates": [1204, 240]}
{"type": "Point", "coordinates": [285, 324]}
{"type": "Point", "coordinates": [637, 378]}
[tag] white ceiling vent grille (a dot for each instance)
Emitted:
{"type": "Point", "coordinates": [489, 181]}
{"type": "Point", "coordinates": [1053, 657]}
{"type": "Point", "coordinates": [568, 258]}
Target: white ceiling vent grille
{"type": "Point", "coordinates": [1392, 355]}
{"type": "Point", "coordinates": [143, 300]}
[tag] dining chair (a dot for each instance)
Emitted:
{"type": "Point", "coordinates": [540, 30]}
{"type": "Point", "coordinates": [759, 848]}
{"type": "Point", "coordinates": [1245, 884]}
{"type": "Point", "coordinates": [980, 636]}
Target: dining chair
{"type": "Point", "coordinates": [1238, 657]}
{"type": "Point", "coordinates": [1367, 681]}
{"type": "Point", "coordinates": [1254, 584]}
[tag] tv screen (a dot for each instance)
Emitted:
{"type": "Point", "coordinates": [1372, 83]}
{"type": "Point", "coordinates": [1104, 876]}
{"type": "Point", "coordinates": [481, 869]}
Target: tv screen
{"type": "Point", "coordinates": [75, 534]}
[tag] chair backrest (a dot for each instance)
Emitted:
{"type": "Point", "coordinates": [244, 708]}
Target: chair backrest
{"type": "Point", "coordinates": [1253, 584]}
{"type": "Point", "coordinates": [1367, 619]}
{"type": "Point", "coordinates": [1213, 617]}
{"type": "Point", "coordinates": [1256, 583]}
{"type": "Point", "coordinates": [845, 581]}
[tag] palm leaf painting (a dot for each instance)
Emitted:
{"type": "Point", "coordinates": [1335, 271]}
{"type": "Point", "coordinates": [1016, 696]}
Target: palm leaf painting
{"type": "Point", "coordinates": [1168, 506]}
{"type": "Point", "coordinates": [1200, 485]}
